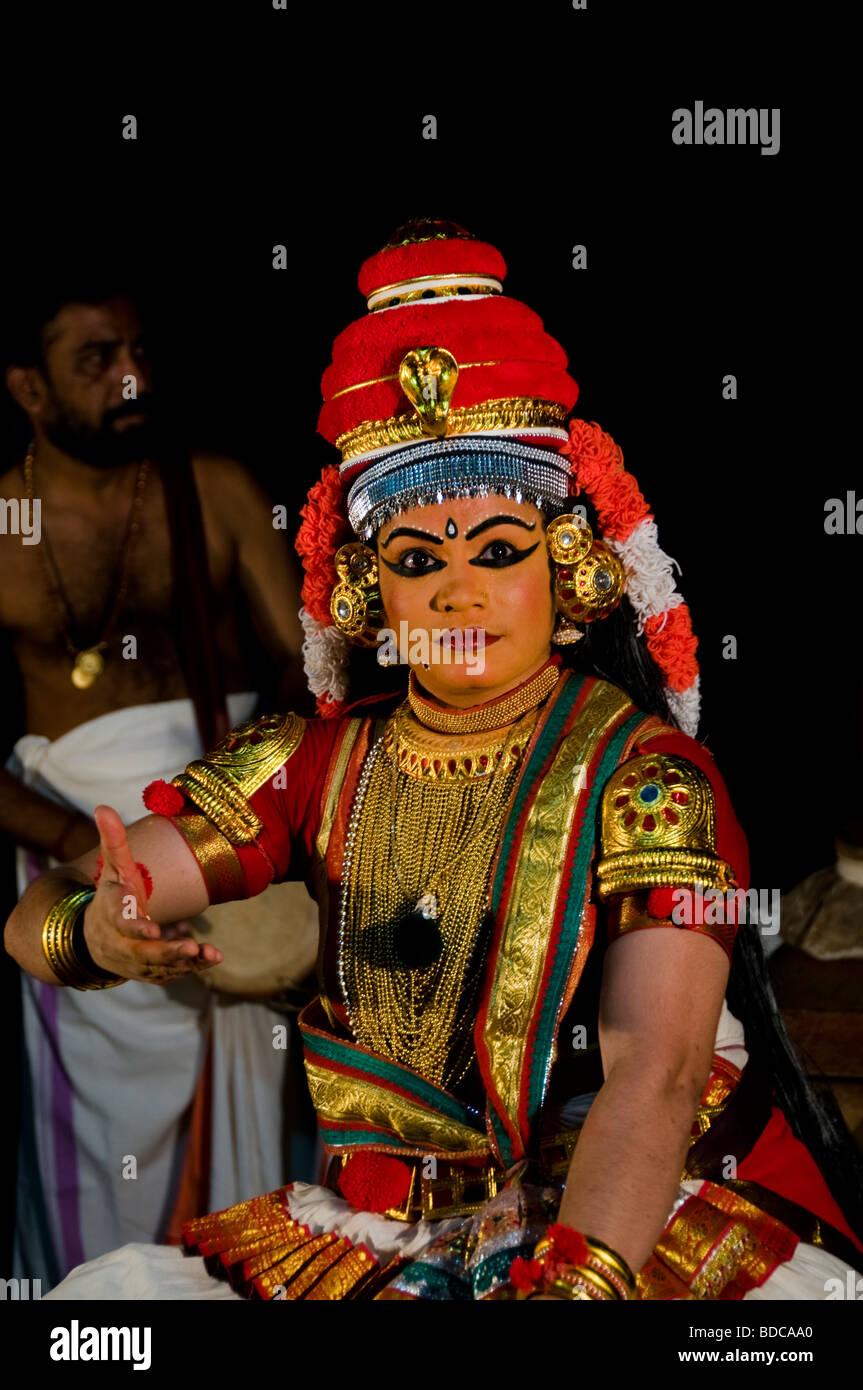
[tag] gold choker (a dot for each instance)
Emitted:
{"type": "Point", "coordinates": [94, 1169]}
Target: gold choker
{"type": "Point", "coordinates": [497, 714]}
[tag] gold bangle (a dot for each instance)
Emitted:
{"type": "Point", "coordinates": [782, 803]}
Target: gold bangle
{"type": "Point", "coordinates": [586, 1274]}
{"type": "Point", "coordinates": [58, 947]}
{"type": "Point", "coordinates": [55, 943]}
{"type": "Point", "coordinates": [560, 1289]}
{"type": "Point", "coordinates": [596, 1273]}
{"type": "Point", "coordinates": [610, 1274]}
{"type": "Point", "coordinates": [618, 1264]}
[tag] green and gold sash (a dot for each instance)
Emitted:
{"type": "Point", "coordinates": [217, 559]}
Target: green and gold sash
{"type": "Point", "coordinates": [542, 935]}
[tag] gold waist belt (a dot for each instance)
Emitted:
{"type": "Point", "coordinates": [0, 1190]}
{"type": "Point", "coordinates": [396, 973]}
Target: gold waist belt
{"type": "Point", "coordinates": [438, 1189]}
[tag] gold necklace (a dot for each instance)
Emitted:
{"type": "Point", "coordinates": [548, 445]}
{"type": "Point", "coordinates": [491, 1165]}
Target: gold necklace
{"type": "Point", "coordinates": [492, 765]}
{"type": "Point", "coordinates": [414, 925]}
{"type": "Point", "coordinates": [88, 662]}
{"type": "Point", "coordinates": [496, 714]}
{"type": "Point", "coordinates": [419, 754]}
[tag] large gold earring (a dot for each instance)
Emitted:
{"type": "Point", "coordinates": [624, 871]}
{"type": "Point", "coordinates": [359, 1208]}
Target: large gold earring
{"type": "Point", "coordinates": [588, 579]}
{"type": "Point", "coordinates": [355, 603]}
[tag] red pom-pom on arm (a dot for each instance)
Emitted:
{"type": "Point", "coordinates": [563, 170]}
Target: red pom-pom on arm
{"type": "Point", "coordinates": [163, 799]}
{"type": "Point", "coordinates": [570, 1245]}
{"type": "Point", "coordinates": [661, 902]}
{"type": "Point", "coordinates": [146, 876]}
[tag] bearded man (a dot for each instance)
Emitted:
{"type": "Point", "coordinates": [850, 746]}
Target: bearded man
{"type": "Point", "coordinates": [157, 604]}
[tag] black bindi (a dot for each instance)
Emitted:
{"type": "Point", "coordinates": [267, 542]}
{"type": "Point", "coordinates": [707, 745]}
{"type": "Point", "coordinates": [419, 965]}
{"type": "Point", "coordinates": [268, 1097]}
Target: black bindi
{"type": "Point", "coordinates": [451, 528]}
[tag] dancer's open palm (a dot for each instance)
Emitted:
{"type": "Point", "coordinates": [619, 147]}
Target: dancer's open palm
{"type": "Point", "coordinates": [120, 933]}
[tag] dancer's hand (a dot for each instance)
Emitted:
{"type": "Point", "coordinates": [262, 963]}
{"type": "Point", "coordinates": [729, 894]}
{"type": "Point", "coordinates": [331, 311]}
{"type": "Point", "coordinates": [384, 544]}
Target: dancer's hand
{"type": "Point", "coordinates": [120, 936]}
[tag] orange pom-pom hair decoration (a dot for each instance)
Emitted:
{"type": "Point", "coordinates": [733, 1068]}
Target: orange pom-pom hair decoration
{"type": "Point", "coordinates": [324, 529]}
{"type": "Point", "coordinates": [628, 529]}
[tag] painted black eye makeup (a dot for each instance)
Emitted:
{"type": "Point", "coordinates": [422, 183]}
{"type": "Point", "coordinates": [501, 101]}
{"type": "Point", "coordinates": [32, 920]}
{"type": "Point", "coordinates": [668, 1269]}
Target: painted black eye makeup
{"type": "Point", "coordinates": [414, 562]}
{"type": "Point", "coordinates": [500, 553]}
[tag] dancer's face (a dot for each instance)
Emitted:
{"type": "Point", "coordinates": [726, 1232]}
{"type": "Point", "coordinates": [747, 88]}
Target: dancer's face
{"type": "Point", "coordinates": [472, 563]}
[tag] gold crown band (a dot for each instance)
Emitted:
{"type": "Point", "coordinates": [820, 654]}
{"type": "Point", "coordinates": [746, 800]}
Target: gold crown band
{"type": "Point", "coordinates": [428, 287]}
{"type": "Point", "coordinates": [58, 945]}
{"type": "Point", "coordinates": [460, 275]}
{"type": "Point", "coordinates": [517, 412]}
{"type": "Point", "coordinates": [425, 296]}
{"type": "Point", "coordinates": [394, 376]}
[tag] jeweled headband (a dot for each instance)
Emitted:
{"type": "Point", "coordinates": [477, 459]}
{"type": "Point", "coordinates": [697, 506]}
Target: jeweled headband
{"type": "Point", "coordinates": [468, 467]}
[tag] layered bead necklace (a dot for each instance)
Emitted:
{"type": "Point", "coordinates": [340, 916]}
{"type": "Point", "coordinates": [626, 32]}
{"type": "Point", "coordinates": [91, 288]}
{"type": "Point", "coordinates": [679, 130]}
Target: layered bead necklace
{"type": "Point", "coordinates": [414, 923]}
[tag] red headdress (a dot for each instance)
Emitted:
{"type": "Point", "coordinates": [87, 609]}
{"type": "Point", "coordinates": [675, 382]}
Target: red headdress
{"type": "Point", "coordinates": [448, 388]}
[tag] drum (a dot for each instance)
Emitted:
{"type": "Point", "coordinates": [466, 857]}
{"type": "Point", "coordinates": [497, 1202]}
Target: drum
{"type": "Point", "coordinates": [269, 944]}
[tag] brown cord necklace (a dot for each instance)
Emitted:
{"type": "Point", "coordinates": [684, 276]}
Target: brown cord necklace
{"type": "Point", "coordinates": [88, 662]}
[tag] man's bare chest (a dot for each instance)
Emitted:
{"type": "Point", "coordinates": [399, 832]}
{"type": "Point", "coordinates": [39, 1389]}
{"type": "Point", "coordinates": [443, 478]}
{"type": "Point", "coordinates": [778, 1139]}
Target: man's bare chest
{"type": "Point", "coordinates": [82, 579]}
{"type": "Point", "coordinates": [90, 573]}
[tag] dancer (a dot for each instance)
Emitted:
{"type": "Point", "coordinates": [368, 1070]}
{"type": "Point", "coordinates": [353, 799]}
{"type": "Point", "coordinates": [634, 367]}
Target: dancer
{"type": "Point", "coordinates": [534, 1075]}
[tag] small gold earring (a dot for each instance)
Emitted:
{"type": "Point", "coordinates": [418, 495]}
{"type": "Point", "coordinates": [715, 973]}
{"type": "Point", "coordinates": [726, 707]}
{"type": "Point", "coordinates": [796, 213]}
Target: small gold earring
{"type": "Point", "coordinates": [565, 632]}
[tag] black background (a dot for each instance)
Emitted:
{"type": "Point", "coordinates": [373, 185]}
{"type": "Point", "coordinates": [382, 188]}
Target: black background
{"type": "Point", "coordinates": [304, 127]}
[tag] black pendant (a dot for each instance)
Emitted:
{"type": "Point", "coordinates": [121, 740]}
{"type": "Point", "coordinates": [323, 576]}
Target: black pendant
{"type": "Point", "coordinates": [418, 941]}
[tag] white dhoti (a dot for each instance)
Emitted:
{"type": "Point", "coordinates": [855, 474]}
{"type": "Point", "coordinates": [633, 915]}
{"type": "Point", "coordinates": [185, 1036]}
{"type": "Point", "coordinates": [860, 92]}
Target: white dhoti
{"type": "Point", "coordinates": [109, 1076]}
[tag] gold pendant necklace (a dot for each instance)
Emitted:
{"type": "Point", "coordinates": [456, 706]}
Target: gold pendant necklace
{"type": "Point", "coordinates": [88, 662]}
{"type": "Point", "coordinates": [89, 665]}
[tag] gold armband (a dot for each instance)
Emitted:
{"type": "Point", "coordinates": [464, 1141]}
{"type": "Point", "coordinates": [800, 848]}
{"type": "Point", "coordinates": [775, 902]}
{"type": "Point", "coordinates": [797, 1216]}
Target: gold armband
{"type": "Point", "coordinates": [659, 828]}
{"type": "Point", "coordinates": [65, 949]}
{"type": "Point", "coordinates": [221, 784]}
{"type": "Point", "coordinates": [219, 865]}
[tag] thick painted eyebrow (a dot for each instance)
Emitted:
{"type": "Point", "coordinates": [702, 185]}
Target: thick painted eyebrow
{"type": "Point", "coordinates": [409, 531]}
{"type": "Point", "coordinates": [499, 521]}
